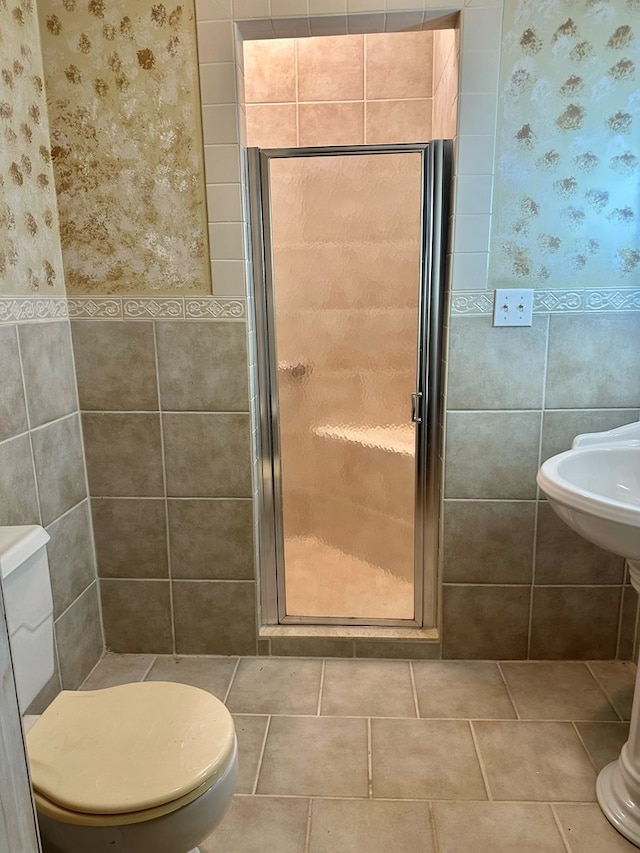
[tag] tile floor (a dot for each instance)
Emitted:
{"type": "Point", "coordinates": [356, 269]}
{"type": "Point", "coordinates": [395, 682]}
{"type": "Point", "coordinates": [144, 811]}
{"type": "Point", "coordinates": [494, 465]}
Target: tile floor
{"type": "Point", "coordinates": [351, 756]}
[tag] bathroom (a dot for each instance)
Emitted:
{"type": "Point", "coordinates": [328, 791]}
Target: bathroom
{"type": "Point", "coordinates": [160, 435]}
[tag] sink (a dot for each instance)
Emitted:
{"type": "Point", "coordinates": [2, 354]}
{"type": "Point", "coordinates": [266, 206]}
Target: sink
{"type": "Point", "coordinates": [595, 489]}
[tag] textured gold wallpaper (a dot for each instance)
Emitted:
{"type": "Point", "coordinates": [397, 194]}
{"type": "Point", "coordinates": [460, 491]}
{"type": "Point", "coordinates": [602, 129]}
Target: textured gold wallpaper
{"type": "Point", "coordinates": [567, 191]}
{"type": "Point", "coordinates": [30, 260]}
{"type": "Point", "coordinates": [124, 107]}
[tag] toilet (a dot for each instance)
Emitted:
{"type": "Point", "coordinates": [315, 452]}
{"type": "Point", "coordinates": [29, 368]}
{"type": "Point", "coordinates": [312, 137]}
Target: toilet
{"type": "Point", "coordinates": [134, 768]}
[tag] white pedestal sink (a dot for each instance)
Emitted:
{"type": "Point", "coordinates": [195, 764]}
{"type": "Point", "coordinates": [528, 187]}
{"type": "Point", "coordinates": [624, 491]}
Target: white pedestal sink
{"type": "Point", "coordinates": [595, 489]}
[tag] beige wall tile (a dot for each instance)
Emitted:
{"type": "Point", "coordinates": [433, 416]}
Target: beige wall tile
{"type": "Point", "coordinates": [407, 650]}
{"type": "Point", "coordinates": [398, 121]}
{"type": "Point", "coordinates": [575, 623]}
{"type": "Point", "coordinates": [211, 539]}
{"type": "Point", "coordinates": [323, 647]}
{"type": "Point", "coordinates": [115, 365]}
{"type": "Point", "coordinates": [18, 499]}
{"type": "Point", "coordinates": [272, 126]}
{"type": "Point", "coordinates": [331, 124]}
{"type": "Point", "coordinates": [203, 366]}
{"type": "Point", "coordinates": [270, 71]}
{"type": "Point", "coordinates": [488, 541]}
{"type": "Point", "coordinates": [331, 68]}
{"type": "Point", "coordinates": [131, 537]}
{"type": "Point", "coordinates": [59, 465]}
{"type": "Point", "coordinates": [207, 455]}
{"type": "Point", "coordinates": [13, 413]}
{"type": "Point", "coordinates": [137, 616]}
{"type": "Point", "coordinates": [399, 65]}
{"type": "Point", "coordinates": [560, 428]}
{"type": "Point", "coordinates": [71, 560]}
{"type": "Point", "coordinates": [123, 454]}
{"type": "Point", "coordinates": [215, 617]}
{"type": "Point", "coordinates": [485, 622]}
{"type": "Point", "coordinates": [79, 638]}
{"type": "Point", "coordinates": [47, 361]}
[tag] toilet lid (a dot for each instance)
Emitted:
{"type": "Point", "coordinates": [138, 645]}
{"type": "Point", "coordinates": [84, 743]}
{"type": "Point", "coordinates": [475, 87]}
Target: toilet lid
{"type": "Point", "coordinates": [129, 748]}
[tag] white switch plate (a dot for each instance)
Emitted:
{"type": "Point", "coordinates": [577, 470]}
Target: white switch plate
{"type": "Point", "coordinates": [513, 307]}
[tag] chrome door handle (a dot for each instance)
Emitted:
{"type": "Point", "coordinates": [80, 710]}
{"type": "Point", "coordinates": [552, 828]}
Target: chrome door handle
{"type": "Point", "coordinates": [415, 404]}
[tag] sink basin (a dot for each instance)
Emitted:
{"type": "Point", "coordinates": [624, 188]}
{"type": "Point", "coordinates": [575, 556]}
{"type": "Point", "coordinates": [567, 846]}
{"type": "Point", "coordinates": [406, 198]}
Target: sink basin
{"type": "Point", "coordinates": [595, 488]}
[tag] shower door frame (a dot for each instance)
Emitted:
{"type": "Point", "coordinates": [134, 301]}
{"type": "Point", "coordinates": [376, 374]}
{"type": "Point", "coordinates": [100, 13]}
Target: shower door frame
{"type": "Point", "coordinates": [426, 412]}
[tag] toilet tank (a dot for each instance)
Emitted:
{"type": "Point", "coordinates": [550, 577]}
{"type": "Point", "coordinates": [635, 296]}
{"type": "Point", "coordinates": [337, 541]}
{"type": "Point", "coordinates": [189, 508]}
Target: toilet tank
{"type": "Point", "coordinates": [24, 570]}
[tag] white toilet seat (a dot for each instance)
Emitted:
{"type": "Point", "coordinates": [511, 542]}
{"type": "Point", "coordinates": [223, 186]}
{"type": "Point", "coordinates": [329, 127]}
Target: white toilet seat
{"type": "Point", "coordinates": [128, 754]}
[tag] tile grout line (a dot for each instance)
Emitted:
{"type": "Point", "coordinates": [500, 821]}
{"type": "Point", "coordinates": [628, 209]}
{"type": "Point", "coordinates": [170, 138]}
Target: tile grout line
{"type": "Point", "coordinates": [605, 691]}
{"type": "Point", "coordinates": [261, 756]}
{"type": "Point", "coordinates": [563, 836]}
{"type": "Point", "coordinates": [592, 762]}
{"type": "Point", "coordinates": [154, 658]}
{"type": "Point", "coordinates": [307, 838]}
{"type": "Point", "coordinates": [414, 690]}
{"type": "Point", "coordinates": [319, 705]}
{"type": "Point", "coordinates": [231, 680]}
{"type": "Point", "coordinates": [508, 689]}
{"type": "Point", "coordinates": [369, 760]}
{"type": "Point", "coordinates": [483, 771]}
{"type": "Point", "coordinates": [432, 826]}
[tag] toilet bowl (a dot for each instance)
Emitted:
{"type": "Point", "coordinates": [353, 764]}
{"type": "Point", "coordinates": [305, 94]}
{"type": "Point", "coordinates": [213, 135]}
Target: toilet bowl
{"type": "Point", "coordinates": [139, 768]}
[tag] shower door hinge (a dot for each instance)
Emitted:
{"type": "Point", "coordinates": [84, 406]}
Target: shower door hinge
{"type": "Point", "coordinates": [415, 407]}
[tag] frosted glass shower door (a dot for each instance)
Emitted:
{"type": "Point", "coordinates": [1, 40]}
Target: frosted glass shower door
{"type": "Point", "coordinates": [346, 243]}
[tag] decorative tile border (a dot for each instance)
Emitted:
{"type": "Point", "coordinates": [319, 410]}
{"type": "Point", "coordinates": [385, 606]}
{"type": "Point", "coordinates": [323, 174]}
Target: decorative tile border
{"type": "Point", "coordinates": [581, 300]}
{"type": "Point", "coordinates": [30, 308]}
{"type": "Point", "coordinates": [162, 308]}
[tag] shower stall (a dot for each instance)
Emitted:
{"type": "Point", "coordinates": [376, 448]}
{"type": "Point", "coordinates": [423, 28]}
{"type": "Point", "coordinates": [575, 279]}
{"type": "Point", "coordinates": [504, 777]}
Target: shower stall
{"type": "Point", "coordinates": [349, 256]}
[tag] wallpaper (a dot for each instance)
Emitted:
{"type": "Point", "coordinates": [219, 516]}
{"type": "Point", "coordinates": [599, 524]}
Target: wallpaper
{"type": "Point", "coordinates": [30, 260]}
{"type": "Point", "coordinates": [124, 108]}
{"type": "Point", "coordinates": [566, 206]}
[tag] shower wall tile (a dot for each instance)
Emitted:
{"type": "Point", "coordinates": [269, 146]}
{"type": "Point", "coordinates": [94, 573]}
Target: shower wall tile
{"type": "Point", "coordinates": [564, 557]}
{"type": "Point", "coordinates": [272, 125]}
{"type": "Point", "coordinates": [485, 364]}
{"type": "Point", "coordinates": [492, 455]}
{"type": "Point", "coordinates": [575, 623]}
{"type": "Point", "coordinates": [79, 638]}
{"type": "Point", "coordinates": [485, 622]}
{"type": "Point", "coordinates": [270, 71]}
{"type": "Point", "coordinates": [13, 412]}
{"type": "Point", "coordinates": [398, 121]}
{"type": "Point", "coordinates": [331, 69]}
{"type": "Point", "coordinates": [71, 557]}
{"type": "Point", "coordinates": [211, 539]}
{"type": "Point", "coordinates": [59, 467]}
{"type": "Point", "coordinates": [47, 362]}
{"type": "Point", "coordinates": [203, 366]}
{"type": "Point", "coordinates": [399, 66]}
{"type": "Point", "coordinates": [131, 537]}
{"type": "Point", "coordinates": [488, 542]}
{"type": "Point", "coordinates": [123, 453]}
{"type": "Point", "coordinates": [593, 363]}
{"type": "Point", "coordinates": [137, 616]}
{"type": "Point", "coordinates": [215, 618]}
{"type": "Point", "coordinates": [207, 455]}
{"type": "Point", "coordinates": [331, 124]}
{"type": "Point", "coordinates": [115, 365]}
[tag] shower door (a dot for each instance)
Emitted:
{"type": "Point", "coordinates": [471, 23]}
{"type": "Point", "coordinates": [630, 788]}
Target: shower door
{"type": "Point", "coordinates": [348, 253]}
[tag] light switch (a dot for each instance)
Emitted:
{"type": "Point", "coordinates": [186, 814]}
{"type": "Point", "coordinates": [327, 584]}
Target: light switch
{"type": "Point", "coordinates": [513, 307]}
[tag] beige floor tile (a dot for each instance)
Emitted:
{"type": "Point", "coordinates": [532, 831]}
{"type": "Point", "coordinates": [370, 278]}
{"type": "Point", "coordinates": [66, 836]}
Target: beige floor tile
{"type": "Point", "coordinates": [603, 740]}
{"type": "Point", "coordinates": [425, 759]}
{"type": "Point", "coordinates": [588, 831]}
{"type": "Point", "coordinates": [250, 733]}
{"type": "Point", "coordinates": [496, 828]}
{"type": "Point", "coordinates": [618, 679]}
{"type": "Point", "coordinates": [274, 686]}
{"type": "Point", "coordinates": [464, 689]}
{"type": "Point", "coordinates": [260, 824]}
{"type": "Point", "coordinates": [556, 691]}
{"type": "Point", "coordinates": [367, 689]}
{"type": "Point", "coordinates": [535, 761]}
{"type": "Point", "coordinates": [374, 826]}
{"type": "Point", "coordinates": [321, 756]}
{"type": "Point", "coordinates": [118, 669]}
{"type": "Point", "coordinates": [209, 673]}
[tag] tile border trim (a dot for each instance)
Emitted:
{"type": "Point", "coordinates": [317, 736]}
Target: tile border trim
{"type": "Point", "coordinates": [27, 309]}
{"type": "Point", "coordinates": [160, 308]}
{"type": "Point", "coordinates": [577, 301]}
